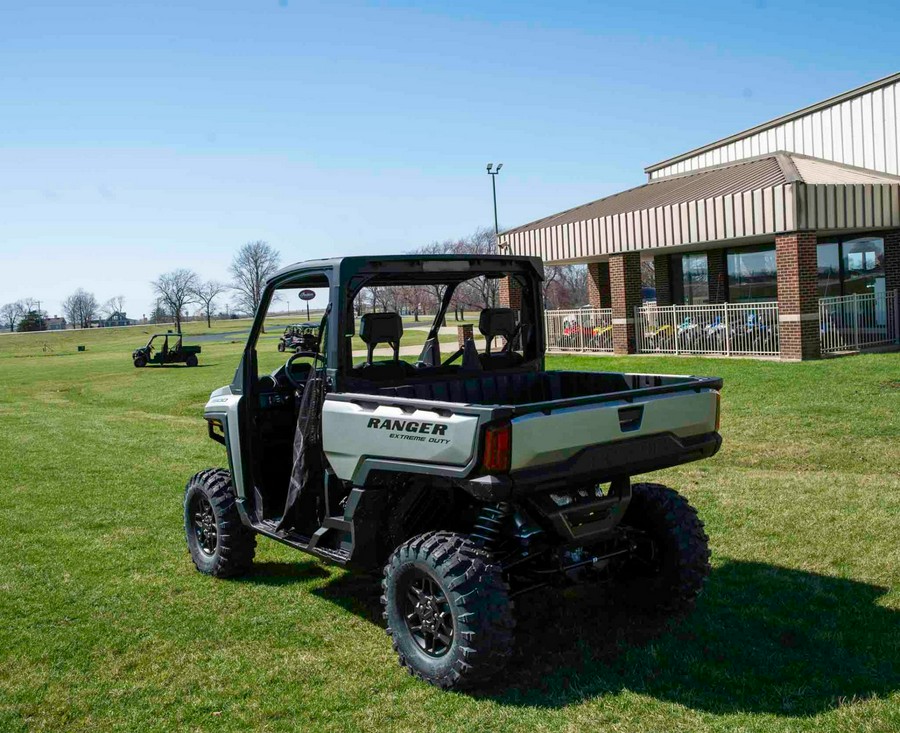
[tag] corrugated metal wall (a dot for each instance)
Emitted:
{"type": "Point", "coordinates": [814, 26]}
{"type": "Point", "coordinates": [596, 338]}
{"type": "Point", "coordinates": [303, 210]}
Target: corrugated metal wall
{"type": "Point", "coordinates": [862, 131]}
{"type": "Point", "coordinates": [841, 206]}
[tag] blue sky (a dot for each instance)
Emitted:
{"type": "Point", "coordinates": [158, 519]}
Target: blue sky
{"type": "Point", "coordinates": [136, 137]}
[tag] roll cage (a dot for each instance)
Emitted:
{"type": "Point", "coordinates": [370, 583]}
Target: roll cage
{"type": "Point", "coordinates": [346, 277]}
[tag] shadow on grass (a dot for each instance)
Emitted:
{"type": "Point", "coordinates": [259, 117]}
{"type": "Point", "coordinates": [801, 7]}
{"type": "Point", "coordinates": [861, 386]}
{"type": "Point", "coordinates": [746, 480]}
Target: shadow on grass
{"type": "Point", "coordinates": [763, 639]}
{"type": "Point", "coordinates": [283, 573]}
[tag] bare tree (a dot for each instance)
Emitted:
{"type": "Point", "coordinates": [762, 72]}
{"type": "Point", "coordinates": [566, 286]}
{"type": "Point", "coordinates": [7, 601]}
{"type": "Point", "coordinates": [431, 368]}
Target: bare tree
{"type": "Point", "coordinates": [113, 306]}
{"type": "Point", "coordinates": [254, 263]}
{"type": "Point", "coordinates": [206, 293]}
{"type": "Point", "coordinates": [565, 286]}
{"type": "Point", "coordinates": [176, 290]}
{"type": "Point", "coordinates": [80, 308]}
{"type": "Point", "coordinates": [479, 292]}
{"type": "Point", "coordinates": [435, 293]}
{"type": "Point", "coordinates": [11, 314]}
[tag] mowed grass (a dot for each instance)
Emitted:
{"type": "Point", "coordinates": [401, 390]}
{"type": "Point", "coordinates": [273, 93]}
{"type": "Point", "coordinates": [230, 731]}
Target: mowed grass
{"type": "Point", "coordinates": [122, 341]}
{"type": "Point", "coordinates": [105, 624]}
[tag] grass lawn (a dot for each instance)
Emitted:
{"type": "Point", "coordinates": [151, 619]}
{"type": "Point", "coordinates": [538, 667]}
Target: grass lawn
{"type": "Point", "coordinates": [122, 341]}
{"type": "Point", "coordinates": [105, 624]}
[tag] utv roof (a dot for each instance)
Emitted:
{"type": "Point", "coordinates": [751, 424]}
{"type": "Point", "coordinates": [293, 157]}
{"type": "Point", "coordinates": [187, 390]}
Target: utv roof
{"type": "Point", "coordinates": [352, 265]}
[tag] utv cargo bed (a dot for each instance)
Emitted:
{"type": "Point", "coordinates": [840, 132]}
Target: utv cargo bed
{"type": "Point", "coordinates": [566, 427]}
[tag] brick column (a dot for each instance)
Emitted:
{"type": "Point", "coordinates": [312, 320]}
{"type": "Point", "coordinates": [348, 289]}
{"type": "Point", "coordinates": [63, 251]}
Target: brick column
{"type": "Point", "coordinates": [510, 293]}
{"type": "Point", "coordinates": [464, 333]}
{"type": "Point", "coordinates": [892, 260]}
{"type": "Point", "coordinates": [598, 285]}
{"type": "Point", "coordinates": [717, 275]}
{"type": "Point", "coordinates": [662, 274]}
{"type": "Point", "coordinates": [798, 299]}
{"type": "Point", "coordinates": [625, 289]}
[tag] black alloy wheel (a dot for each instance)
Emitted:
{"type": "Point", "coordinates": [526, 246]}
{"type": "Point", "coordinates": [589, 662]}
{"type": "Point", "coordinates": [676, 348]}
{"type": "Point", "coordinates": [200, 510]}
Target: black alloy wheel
{"type": "Point", "coordinates": [428, 614]}
{"type": "Point", "coordinates": [448, 610]}
{"type": "Point", "coordinates": [217, 540]}
{"type": "Point", "coordinates": [204, 524]}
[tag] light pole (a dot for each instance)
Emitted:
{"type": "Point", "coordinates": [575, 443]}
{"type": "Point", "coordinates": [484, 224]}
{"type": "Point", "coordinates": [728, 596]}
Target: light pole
{"type": "Point", "coordinates": [493, 175]}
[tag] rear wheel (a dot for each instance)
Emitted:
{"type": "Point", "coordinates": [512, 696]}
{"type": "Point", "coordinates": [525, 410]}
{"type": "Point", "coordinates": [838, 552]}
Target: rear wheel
{"type": "Point", "coordinates": [671, 564]}
{"type": "Point", "coordinates": [191, 360]}
{"type": "Point", "coordinates": [217, 540]}
{"type": "Point", "coordinates": [448, 610]}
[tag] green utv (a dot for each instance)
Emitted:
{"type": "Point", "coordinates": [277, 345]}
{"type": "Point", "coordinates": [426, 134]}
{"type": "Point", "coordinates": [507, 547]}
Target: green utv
{"type": "Point", "coordinates": [468, 479]}
{"type": "Point", "coordinates": [299, 337]}
{"type": "Point", "coordinates": [160, 350]}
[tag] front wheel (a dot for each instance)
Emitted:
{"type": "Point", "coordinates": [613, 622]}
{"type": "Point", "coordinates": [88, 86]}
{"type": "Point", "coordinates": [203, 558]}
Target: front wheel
{"type": "Point", "coordinates": [671, 562]}
{"type": "Point", "coordinates": [281, 345]}
{"type": "Point", "coordinates": [448, 610]}
{"type": "Point", "coordinates": [140, 361]}
{"type": "Point", "coordinates": [217, 540]}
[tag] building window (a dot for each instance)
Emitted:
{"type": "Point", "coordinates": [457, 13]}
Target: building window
{"type": "Point", "coordinates": [863, 261]}
{"type": "Point", "coordinates": [751, 274]}
{"type": "Point", "coordinates": [851, 265]}
{"type": "Point", "coordinates": [690, 279]}
{"type": "Point", "coordinates": [828, 258]}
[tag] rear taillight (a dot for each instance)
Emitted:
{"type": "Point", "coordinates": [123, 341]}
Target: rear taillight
{"type": "Point", "coordinates": [718, 409]}
{"type": "Point", "coordinates": [497, 448]}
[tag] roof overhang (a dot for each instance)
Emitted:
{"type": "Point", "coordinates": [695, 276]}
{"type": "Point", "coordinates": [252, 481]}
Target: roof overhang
{"type": "Point", "coordinates": [744, 202]}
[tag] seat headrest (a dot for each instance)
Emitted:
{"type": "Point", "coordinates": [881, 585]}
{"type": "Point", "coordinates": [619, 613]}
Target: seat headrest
{"type": "Point", "coordinates": [497, 322]}
{"type": "Point", "coordinates": [380, 328]}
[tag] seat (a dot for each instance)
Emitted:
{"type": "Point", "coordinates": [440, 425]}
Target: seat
{"type": "Point", "coordinates": [382, 328]}
{"type": "Point", "coordinates": [494, 322]}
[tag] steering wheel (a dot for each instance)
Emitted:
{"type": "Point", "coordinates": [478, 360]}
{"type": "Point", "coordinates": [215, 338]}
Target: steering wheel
{"type": "Point", "coordinates": [290, 363]}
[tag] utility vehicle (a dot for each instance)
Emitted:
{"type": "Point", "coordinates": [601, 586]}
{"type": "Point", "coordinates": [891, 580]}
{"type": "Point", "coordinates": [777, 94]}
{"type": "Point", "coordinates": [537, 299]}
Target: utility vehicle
{"type": "Point", "coordinates": [299, 337]}
{"type": "Point", "coordinates": [467, 480]}
{"type": "Point", "coordinates": [160, 350]}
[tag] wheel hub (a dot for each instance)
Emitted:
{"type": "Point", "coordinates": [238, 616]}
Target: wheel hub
{"type": "Point", "coordinates": [204, 521]}
{"type": "Point", "coordinates": [428, 615]}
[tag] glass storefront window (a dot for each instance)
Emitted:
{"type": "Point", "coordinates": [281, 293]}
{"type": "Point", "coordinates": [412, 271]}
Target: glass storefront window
{"type": "Point", "coordinates": [848, 266]}
{"type": "Point", "coordinates": [863, 265]}
{"type": "Point", "coordinates": [829, 266]}
{"type": "Point", "coordinates": [751, 274]}
{"type": "Point", "coordinates": [695, 279]}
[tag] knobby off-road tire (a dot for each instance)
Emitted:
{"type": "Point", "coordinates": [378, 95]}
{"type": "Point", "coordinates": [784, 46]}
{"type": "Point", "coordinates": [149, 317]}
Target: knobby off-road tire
{"type": "Point", "coordinates": [281, 345]}
{"type": "Point", "coordinates": [671, 575]}
{"type": "Point", "coordinates": [473, 600]}
{"type": "Point", "coordinates": [218, 542]}
{"type": "Point", "coordinates": [191, 361]}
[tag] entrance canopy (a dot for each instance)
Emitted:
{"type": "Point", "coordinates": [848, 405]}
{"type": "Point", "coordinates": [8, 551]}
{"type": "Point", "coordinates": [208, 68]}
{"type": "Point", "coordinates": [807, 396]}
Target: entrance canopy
{"type": "Point", "coordinates": [744, 202]}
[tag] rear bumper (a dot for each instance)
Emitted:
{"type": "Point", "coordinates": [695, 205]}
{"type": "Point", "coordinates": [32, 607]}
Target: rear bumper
{"type": "Point", "coordinates": [598, 464]}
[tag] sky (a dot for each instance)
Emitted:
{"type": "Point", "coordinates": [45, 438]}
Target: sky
{"type": "Point", "coordinates": [142, 136]}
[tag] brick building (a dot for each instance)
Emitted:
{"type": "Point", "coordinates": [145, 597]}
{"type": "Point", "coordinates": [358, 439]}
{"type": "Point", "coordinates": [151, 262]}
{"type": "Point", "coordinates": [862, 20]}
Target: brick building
{"type": "Point", "coordinates": [804, 207]}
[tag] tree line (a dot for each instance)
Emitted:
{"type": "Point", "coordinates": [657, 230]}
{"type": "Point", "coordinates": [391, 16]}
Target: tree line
{"type": "Point", "coordinates": [175, 291]}
{"type": "Point", "coordinates": [255, 262]}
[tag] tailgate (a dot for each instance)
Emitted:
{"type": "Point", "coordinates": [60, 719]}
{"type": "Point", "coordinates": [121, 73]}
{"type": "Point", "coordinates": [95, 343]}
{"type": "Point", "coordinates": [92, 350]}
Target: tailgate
{"type": "Point", "coordinates": [356, 428]}
{"type": "Point", "coordinates": [555, 435]}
